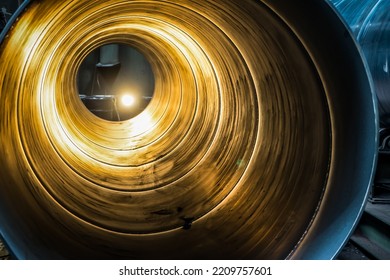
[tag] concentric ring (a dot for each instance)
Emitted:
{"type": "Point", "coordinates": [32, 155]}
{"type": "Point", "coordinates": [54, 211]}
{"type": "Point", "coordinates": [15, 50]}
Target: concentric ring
{"type": "Point", "coordinates": [232, 154]}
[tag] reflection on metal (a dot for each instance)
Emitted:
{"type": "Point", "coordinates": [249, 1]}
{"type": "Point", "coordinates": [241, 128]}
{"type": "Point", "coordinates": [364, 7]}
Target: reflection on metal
{"type": "Point", "coordinates": [248, 148]}
{"type": "Point", "coordinates": [370, 23]}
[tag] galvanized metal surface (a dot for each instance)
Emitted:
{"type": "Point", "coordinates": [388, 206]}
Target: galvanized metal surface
{"type": "Point", "coordinates": [370, 23]}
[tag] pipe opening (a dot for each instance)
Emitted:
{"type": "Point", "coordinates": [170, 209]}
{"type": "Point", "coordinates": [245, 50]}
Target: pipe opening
{"type": "Point", "coordinates": [115, 82]}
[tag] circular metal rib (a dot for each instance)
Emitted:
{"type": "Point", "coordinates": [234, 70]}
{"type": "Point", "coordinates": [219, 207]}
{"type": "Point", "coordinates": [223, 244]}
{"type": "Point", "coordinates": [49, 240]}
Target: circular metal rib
{"type": "Point", "coordinates": [245, 150]}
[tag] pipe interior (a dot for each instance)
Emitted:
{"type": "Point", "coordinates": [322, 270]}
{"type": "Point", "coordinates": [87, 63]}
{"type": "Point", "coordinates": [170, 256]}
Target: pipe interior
{"type": "Point", "coordinates": [230, 160]}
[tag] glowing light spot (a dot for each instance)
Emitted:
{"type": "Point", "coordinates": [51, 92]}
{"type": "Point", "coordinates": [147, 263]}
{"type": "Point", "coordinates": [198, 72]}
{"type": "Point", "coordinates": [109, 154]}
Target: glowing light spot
{"type": "Point", "coordinates": [128, 100]}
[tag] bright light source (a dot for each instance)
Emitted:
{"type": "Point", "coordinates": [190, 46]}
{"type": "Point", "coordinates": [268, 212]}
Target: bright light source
{"type": "Point", "coordinates": [128, 100]}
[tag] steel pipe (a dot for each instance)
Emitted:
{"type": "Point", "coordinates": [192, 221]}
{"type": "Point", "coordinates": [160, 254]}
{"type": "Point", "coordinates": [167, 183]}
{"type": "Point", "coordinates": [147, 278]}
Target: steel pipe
{"type": "Point", "coordinates": [370, 24]}
{"type": "Point", "coordinates": [259, 143]}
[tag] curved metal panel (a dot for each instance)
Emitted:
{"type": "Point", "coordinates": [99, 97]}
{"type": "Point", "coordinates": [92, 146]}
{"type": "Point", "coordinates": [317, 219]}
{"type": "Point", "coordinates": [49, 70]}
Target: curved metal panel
{"type": "Point", "coordinates": [370, 23]}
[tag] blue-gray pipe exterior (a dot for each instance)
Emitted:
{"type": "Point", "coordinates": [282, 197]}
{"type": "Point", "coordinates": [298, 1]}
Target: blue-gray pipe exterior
{"type": "Point", "coordinates": [369, 21]}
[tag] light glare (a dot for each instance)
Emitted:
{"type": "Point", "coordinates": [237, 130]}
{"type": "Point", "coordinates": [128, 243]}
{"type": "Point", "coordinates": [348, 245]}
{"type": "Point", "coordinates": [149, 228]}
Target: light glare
{"type": "Point", "coordinates": [128, 100]}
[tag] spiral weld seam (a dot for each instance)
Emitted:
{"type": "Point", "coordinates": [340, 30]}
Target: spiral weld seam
{"type": "Point", "coordinates": [234, 146]}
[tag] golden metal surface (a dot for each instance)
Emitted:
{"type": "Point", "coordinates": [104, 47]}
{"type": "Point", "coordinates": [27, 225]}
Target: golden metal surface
{"type": "Point", "coordinates": [234, 146]}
